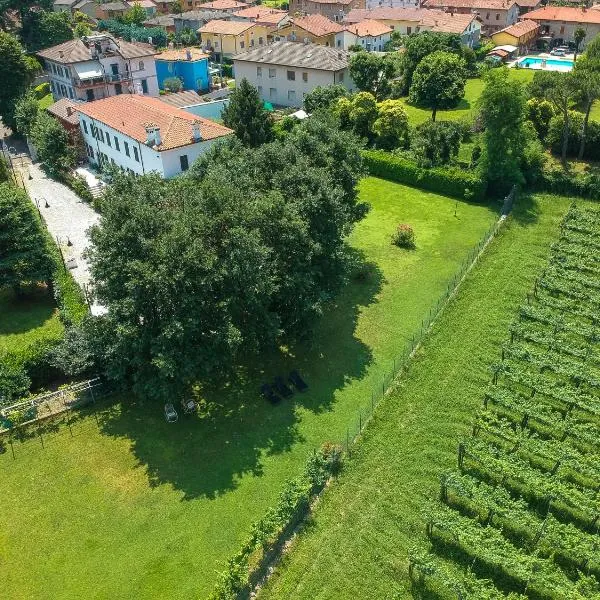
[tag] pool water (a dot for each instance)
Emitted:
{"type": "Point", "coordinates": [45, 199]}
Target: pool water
{"type": "Point", "coordinates": [552, 64]}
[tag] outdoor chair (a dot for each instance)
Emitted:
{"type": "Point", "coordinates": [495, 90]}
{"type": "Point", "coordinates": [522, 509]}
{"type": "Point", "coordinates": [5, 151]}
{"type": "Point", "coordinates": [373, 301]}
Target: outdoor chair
{"type": "Point", "coordinates": [189, 406]}
{"type": "Point", "coordinates": [282, 388]}
{"type": "Point", "coordinates": [297, 381]}
{"type": "Point", "coordinates": [267, 391]}
{"type": "Point", "coordinates": [170, 413]}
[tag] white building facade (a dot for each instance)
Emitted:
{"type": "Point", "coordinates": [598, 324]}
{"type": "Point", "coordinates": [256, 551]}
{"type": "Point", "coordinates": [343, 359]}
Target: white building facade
{"type": "Point", "coordinates": [98, 67]}
{"type": "Point", "coordinates": [143, 135]}
{"type": "Point", "coordinates": [284, 72]}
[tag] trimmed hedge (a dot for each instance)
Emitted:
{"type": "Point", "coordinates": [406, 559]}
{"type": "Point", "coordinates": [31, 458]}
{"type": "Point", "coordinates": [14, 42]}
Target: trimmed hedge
{"type": "Point", "coordinates": [268, 534]}
{"type": "Point", "coordinates": [448, 181]}
{"type": "Point", "coordinates": [558, 181]}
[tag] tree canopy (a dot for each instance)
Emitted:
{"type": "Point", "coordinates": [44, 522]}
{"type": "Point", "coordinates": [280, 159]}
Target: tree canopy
{"type": "Point", "coordinates": [52, 145]}
{"type": "Point", "coordinates": [24, 257]}
{"type": "Point", "coordinates": [438, 81]}
{"type": "Point", "coordinates": [246, 115]}
{"type": "Point", "coordinates": [391, 125]}
{"type": "Point", "coordinates": [373, 72]}
{"type": "Point", "coordinates": [15, 74]}
{"type": "Point", "coordinates": [43, 29]}
{"type": "Point", "coordinates": [323, 97]}
{"type": "Point", "coordinates": [241, 252]}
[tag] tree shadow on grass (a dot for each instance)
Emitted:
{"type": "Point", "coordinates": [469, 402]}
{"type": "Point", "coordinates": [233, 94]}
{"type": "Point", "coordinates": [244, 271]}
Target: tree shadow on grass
{"type": "Point", "coordinates": [204, 455]}
{"type": "Point", "coordinates": [526, 209]}
{"type": "Point", "coordinates": [20, 315]}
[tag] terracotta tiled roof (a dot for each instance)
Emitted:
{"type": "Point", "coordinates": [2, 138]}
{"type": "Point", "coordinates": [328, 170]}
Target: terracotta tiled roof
{"type": "Point", "coordinates": [317, 25]}
{"type": "Point", "coordinates": [528, 3]}
{"type": "Point", "coordinates": [436, 20]}
{"type": "Point", "coordinates": [130, 113]}
{"type": "Point", "coordinates": [181, 99]}
{"type": "Point", "coordinates": [223, 5]}
{"type": "Point", "coordinates": [160, 21]}
{"type": "Point", "coordinates": [182, 54]}
{"type": "Point", "coordinates": [297, 54]}
{"type": "Point", "coordinates": [520, 28]}
{"type": "Point", "coordinates": [272, 19]}
{"type": "Point", "coordinates": [565, 13]}
{"type": "Point", "coordinates": [65, 109]}
{"type": "Point", "coordinates": [256, 12]}
{"type": "Point", "coordinates": [202, 15]}
{"type": "Point", "coordinates": [222, 27]}
{"type": "Point", "coordinates": [474, 4]}
{"type": "Point", "coordinates": [143, 3]}
{"type": "Point", "coordinates": [369, 27]}
{"type": "Point", "coordinates": [114, 6]}
{"type": "Point", "coordinates": [76, 51]}
{"type": "Point", "coordinates": [344, 2]}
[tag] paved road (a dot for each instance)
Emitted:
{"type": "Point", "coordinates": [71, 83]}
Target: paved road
{"type": "Point", "coordinates": [68, 218]}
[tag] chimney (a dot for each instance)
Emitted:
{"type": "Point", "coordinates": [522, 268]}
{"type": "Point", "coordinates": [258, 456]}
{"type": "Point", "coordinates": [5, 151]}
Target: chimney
{"type": "Point", "coordinates": [196, 134]}
{"type": "Point", "coordinates": [188, 54]}
{"type": "Point", "coordinates": [152, 134]}
{"type": "Point", "coordinates": [69, 111]}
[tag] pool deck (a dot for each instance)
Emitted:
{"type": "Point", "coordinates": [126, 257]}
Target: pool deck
{"type": "Point", "coordinates": [567, 58]}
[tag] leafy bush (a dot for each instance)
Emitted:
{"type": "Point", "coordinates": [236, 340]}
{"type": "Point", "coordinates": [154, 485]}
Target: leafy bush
{"type": "Point", "coordinates": [449, 181]}
{"type": "Point", "coordinates": [268, 533]}
{"type": "Point", "coordinates": [592, 139]}
{"type": "Point", "coordinates": [14, 381]}
{"type": "Point", "coordinates": [80, 186]}
{"type": "Point", "coordinates": [41, 90]}
{"type": "Point", "coordinates": [556, 180]}
{"type": "Point", "coordinates": [173, 84]}
{"type": "Point", "coordinates": [404, 236]}
{"type": "Point", "coordinates": [227, 70]}
{"type": "Point", "coordinates": [435, 143]}
{"type": "Point", "coordinates": [135, 33]}
{"type": "Point", "coordinates": [540, 112]}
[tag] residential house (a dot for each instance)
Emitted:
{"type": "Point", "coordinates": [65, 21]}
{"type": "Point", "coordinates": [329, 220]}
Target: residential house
{"type": "Point", "coordinates": [98, 66]}
{"type": "Point", "coordinates": [148, 5]}
{"type": "Point", "coordinates": [415, 20]}
{"type": "Point", "coordinates": [315, 29]}
{"type": "Point", "coordinates": [166, 22]}
{"type": "Point", "coordinates": [267, 21]}
{"type": "Point", "coordinates": [166, 6]}
{"type": "Point", "coordinates": [65, 112]}
{"type": "Point", "coordinates": [392, 4]}
{"type": "Point", "coordinates": [190, 65]}
{"type": "Point", "coordinates": [144, 135]}
{"type": "Point", "coordinates": [526, 6]}
{"type": "Point", "coordinates": [494, 14]}
{"type": "Point", "coordinates": [87, 7]}
{"type": "Point", "coordinates": [560, 22]}
{"type": "Point", "coordinates": [224, 39]}
{"type": "Point", "coordinates": [194, 19]}
{"type": "Point", "coordinates": [224, 5]}
{"type": "Point", "coordinates": [284, 72]}
{"type": "Point", "coordinates": [332, 9]}
{"type": "Point", "coordinates": [368, 34]}
{"type": "Point", "coordinates": [522, 35]}
{"type": "Point", "coordinates": [63, 5]}
{"type": "Point", "coordinates": [112, 10]}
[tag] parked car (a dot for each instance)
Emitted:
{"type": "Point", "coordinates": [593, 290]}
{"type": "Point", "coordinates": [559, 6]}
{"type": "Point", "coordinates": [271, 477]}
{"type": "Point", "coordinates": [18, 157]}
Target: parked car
{"type": "Point", "coordinates": [557, 52]}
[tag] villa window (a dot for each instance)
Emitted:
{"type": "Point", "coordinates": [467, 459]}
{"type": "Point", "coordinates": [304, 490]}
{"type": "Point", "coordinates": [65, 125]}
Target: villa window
{"type": "Point", "coordinates": [259, 71]}
{"type": "Point", "coordinates": [272, 73]}
{"type": "Point", "coordinates": [117, 144]}
{"type": "Point", "coordinates": [136, 154]}
{"type": "Point", "coordinates": [291, 75]}
{"type": "Point", "coordinates": [305, 77]}
{"type": "Point", "coordinates": [126, 148]}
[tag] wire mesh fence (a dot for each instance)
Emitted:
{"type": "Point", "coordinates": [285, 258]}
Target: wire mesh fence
{"type": "Point", "coordinates": [402, 361]}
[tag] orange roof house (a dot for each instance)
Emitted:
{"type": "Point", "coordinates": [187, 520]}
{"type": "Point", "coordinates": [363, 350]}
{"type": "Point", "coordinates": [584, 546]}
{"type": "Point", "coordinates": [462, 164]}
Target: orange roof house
{"type": "Point", "coordinates": [316, 29]}
{"type": "Point", "coordinates": [560, 22]}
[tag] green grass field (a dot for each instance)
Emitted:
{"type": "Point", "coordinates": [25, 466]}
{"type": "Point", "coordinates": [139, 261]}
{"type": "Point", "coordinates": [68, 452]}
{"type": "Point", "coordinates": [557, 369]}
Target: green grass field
{"type": "Point", "coordinates": [26, 321]}
{"type": "Point", "coordinates": [46, 101]}
{"type": "Point", "coordinates": [467, 105]}
{"type": "Point", "coordinates": [356, 545]}
{"type": "Point", "coordinates": [140, 508]}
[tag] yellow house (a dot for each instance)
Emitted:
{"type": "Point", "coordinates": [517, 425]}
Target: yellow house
{"type": "Point", "coordinates": [522, 35]}
{"type": "Point", "coordinates": [224, 39]}
{"type": "Point", "coordinates": [316, 29]}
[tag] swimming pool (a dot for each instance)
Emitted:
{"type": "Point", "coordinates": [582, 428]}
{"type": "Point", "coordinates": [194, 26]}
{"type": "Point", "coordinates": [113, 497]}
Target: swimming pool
{"type": "Point", "coordinates": [552, 64]}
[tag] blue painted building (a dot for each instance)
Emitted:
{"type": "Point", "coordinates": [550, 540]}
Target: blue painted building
{"type": "Point", "coordinates": [190, 65]}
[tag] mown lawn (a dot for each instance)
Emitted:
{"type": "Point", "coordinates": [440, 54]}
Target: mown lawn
{"type": "Point", "coordinates": [27, 321]}
{"type": "Point", "coordinates": [46, 101]}
{"type": "Point", "coordinates": [467, 105]}
{"type": "Point", "coordinates": [136, 508]}
{"type": "Point", "coordinates": [356, 545]}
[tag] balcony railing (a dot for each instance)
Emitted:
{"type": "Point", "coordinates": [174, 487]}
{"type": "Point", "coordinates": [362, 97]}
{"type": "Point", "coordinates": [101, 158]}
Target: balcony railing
{"type": "Point", "coordinates": [108, 78]}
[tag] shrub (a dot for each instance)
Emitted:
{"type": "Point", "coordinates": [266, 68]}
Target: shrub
{"type": "Point", "coordinates": [556, 180]}
{"type": "Point", "coordinates": [41, 90]}
{"type": "Point", "coordinates": [404, 236]}
{"type": "Point", "coordinates": [540, 112]}
{"type": "Point", "coordinates": [173, 84]}
{"type": "Point", "coordinates": [14, 381]}
{"type": "Point", "coordinates": [592, 139]}
{"type": "Point", "coordinates": [80, 186]}
{"type": "Point", "coordinates": [435, 143]}
{"type": "Point", "coordinates": [448, 181]}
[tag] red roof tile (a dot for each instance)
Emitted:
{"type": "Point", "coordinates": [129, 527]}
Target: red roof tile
{"type": "Point", "coordinates": [565, 13]}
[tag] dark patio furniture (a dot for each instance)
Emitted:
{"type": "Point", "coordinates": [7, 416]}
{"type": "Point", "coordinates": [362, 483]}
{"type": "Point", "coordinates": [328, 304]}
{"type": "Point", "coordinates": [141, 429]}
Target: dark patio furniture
{"type": "Point", "coordinates": [282, 388]}
{"type": "Point", "coordinates": [267, 391]}
{"type": "Point", "coordinates": [297, 381]}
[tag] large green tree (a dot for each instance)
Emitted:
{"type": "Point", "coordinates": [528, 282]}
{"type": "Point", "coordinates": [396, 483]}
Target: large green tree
{"type": "Point", "coordinates": [436, 143]}
{"type": "Point", "coordinates": [246, 115]}
{"type": "Point", "coordinates": [26, 112]}
{"type": "Point", "coordinates": [323, 97]}
{"type": "Point", "coordinates": [24, 257]}
{"type": "Point", "coordinates": [43, 29]}
{"type": "Point", "coordinates": [52, 145]}
{"type": "Point", "coordinates": [391, 126]}
{"type": "Point", "coordinates": [372, 72]}
{"type": "Point", "coordinates": [358, 113]}
{"type": "Point", "coordinates": [502, 112]}
{"type": "Point", "coordinates": [237, 255]}
{"type": "Point", "coordinates": [586, 79]}
{"type": "Point", "coordinates": [15, 75]}
{"type": "Point", "coordinates": [438, 82]}
{"type": "Point", "coordinates": [418, 46]}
